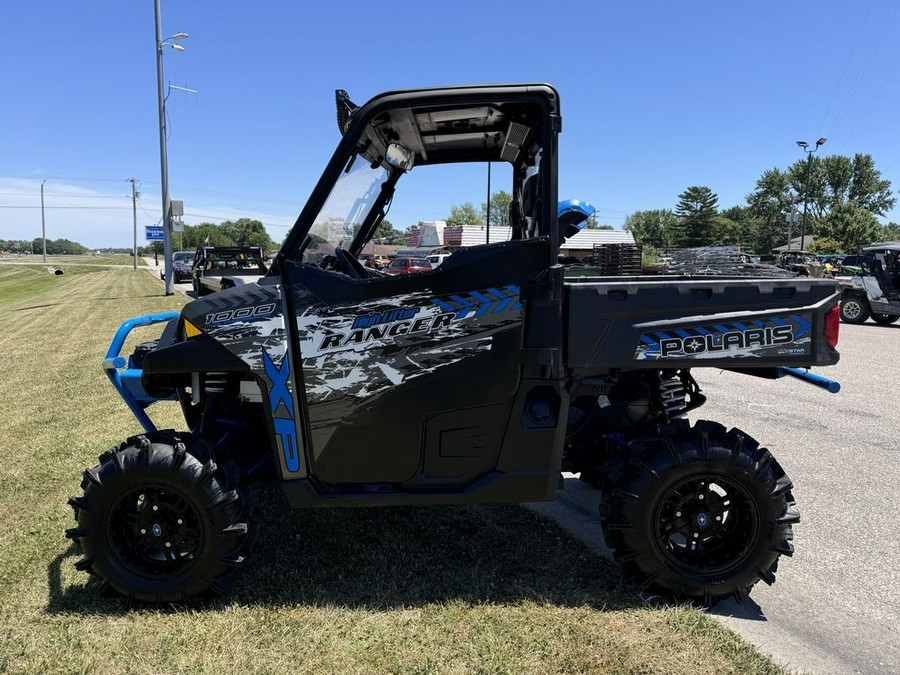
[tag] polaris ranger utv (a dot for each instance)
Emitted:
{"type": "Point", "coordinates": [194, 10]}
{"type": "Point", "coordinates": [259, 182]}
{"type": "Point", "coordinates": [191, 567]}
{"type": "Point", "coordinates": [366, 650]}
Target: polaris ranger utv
{"type": "Point", "coordinates": [479, 381]}
{"type": "Point", "coordinates": [875, 290]}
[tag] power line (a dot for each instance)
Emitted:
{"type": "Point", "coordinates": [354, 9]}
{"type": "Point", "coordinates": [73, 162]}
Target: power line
{"type": "Point", "coordinates": [7, 206]}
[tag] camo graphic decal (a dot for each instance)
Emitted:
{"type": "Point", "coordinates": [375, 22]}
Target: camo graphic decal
{"type": "Point", "coordinates": [788, 336]}
{"type": "Point", "coordinates": [362, 350]}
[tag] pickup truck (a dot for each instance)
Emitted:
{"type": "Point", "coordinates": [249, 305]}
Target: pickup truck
{"type": "Point", "coordinates": [478, 381]}
{"type": "Point", "coordinates": [218, 267]}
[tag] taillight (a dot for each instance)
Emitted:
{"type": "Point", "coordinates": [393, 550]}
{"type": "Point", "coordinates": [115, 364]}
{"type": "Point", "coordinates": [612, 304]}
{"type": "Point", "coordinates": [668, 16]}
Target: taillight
{"type": "Point", "coordinates": [832, 325]}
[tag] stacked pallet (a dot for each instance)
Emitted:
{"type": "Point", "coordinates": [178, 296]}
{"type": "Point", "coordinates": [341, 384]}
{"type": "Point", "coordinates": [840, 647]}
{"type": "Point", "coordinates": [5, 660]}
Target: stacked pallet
{"type": "Point", "coordinates": [616, 259]}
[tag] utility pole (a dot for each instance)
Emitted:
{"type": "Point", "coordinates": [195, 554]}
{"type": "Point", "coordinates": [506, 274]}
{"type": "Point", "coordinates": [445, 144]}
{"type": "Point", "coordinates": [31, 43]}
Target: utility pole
{"type": "Point", "coordinates": [163, 159]}
{"type": "Point", "coordinates": [43, 222]}
{"type": "Point", "coordinates": [134, 216]}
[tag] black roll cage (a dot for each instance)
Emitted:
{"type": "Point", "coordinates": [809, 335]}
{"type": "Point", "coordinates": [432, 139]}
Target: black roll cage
{"type": "Point", "coordinates": [543, 95]}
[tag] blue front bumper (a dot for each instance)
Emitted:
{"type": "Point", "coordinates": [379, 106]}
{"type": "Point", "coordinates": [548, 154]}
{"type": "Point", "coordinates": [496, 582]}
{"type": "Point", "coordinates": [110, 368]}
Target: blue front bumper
{"type": "Point", "coordinates": [126, 378]}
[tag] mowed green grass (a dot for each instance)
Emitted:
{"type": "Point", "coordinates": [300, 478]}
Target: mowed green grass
{"type": "Point", "coordinates": [493, 589]}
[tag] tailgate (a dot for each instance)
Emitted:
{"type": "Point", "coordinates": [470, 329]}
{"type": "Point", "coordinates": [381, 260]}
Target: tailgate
{"type": "Point", "coordinates": [681, 323]}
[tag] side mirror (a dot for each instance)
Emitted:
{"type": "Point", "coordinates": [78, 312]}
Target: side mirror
{"type": "Point", "coordinates": [400, 156]}
{"type": "Point", "coordinates": [572, 216]}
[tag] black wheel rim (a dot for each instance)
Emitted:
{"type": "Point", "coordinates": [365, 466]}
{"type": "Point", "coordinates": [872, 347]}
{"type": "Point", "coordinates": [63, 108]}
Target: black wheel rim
{"type": "Point", "coordinates": [707, 525]}
{"type": "Point", "coordinates": [155, 532]}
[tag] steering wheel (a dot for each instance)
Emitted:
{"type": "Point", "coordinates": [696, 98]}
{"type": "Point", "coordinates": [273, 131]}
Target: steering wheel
{"type": "Point", "coordinates": [349, 265]}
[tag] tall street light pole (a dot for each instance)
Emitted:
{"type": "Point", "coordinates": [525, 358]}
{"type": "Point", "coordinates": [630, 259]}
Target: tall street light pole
{"type": "Point", "coordinates": [163, 159]}
{"type": "Point", "coordinates": [809, 157]}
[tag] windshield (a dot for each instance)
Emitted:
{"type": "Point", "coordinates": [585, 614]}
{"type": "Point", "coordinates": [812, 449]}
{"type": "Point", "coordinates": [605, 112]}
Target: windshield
{"type": "Point", "coordinates": [344, 211]}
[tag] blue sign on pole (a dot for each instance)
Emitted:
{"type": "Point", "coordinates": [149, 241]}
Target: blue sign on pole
{"type": "Point", "coordinates": [154, 233]}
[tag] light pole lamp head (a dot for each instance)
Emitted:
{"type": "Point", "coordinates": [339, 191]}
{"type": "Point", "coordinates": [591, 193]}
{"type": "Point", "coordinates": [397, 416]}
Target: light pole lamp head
{"type": "Point", "coordinates": [821, 141]}
{"type": "Point", "coordinates": [179, 36]}
{"type": "Point", "coordinates": [803, 144]}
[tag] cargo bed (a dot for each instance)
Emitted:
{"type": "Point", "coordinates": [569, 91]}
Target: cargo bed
{"type": "Point", "coordinates": [683, 322]}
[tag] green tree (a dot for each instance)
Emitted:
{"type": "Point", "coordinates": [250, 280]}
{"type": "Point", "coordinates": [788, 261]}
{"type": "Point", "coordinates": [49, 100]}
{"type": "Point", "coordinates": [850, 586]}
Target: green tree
{"type": "Point", "coordinates": [59, 247]}
{"type": "Point", "coordinates": [890, 232]}
{"type": "Point", "coordinates": [696, 209]}
{"type": "Point", "coordinates": [834, 181]}
{"type": "Point", "coordinates": [723, 231]}
{"type": "Point", "coordinates": [247, 232]}
{"type": "Point", "coordinates": [655, 228]}
{"type": "Point", "coordinates": [207, 234]}
{"type": "Point", "coordinates": [826, 245]}
{"type": "Point", "coordinates": [850, 225]}
{"type": "Point", "coordinates": [748, 226]}
{"type": "Point", "coordinates": [769, 205]}
{"type": "Point", "coordinates": [500, 202]}
{"type": "Point", "coordinates": [385, 232]}
{"type": "Point", "coordinates": [464, 214]}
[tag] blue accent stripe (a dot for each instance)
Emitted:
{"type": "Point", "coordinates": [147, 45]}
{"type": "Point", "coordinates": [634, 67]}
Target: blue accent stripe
{"type": "Point", "coordinates": [722, 329]}
{"type": "Point", "coordinates": [664, 336]}
{"type": "Point", "coordinates": [485, 302]}
{"type": "Point", "coordinates": [444, 306]}
{"type": "Point", "coordinates": [741, 326]}
{"type": "Point", "coordinates": [504, 299]}
{"type": "Point", "coordinates": [703, 331]}
{"type": "Point", "coordinates": [778, 322]}
{"type": "Point", "coordinates": [759, 324]}
{"type": "Point", "coordinates": [515, 289]}
{"type": "Point", "coordinates": [466, 306]}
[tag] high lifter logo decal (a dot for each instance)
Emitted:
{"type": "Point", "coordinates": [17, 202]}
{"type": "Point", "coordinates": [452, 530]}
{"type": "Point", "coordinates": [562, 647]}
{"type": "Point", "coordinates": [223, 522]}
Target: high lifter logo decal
{"type": "Point", "coordinates": [769, 337]}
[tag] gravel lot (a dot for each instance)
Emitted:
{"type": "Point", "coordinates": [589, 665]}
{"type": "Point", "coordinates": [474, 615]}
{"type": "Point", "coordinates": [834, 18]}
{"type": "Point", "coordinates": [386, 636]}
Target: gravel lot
{"type": "Point", "coordinates": [836, 605]}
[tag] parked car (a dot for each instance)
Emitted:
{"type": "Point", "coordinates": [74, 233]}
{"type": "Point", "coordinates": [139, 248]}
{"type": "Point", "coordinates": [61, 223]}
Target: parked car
{"type": "Point", "coordinates": [182, 261]}
{"type": "Point", "coordinates": [378, 262]}
{"type": "Point", "coordinates": [436, 260]}
{"type": "Point", "coordinates": [408, 266]}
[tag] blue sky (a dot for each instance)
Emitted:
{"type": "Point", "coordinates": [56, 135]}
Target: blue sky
{"type": "Point", "coordinates": [656, 96]}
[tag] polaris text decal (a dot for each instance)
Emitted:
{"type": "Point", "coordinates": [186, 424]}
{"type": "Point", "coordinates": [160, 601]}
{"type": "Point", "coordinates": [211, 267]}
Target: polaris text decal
{"type": "Point", "coordinates": [755, 339]}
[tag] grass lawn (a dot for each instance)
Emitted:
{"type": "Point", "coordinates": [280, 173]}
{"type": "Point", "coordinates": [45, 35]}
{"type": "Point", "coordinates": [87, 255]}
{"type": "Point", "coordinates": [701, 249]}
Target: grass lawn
{"type": "Point", "coordinates": [493, 589]}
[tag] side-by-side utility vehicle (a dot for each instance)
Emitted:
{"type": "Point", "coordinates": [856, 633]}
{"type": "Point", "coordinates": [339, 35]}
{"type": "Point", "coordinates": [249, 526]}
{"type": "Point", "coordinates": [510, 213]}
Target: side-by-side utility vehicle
{"type": "Point", "coordinates": [871, 288]}
{"type": "Point", "coordinates": [478, 381]}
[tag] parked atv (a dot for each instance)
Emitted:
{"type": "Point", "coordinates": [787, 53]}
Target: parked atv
{"type": "Point", "coordinates": [478, 381]}
{"type": "Point", "coordinates": [873, 288]}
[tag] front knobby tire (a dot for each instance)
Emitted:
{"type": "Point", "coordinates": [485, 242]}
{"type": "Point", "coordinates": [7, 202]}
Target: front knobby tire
{"type": "Point", "coordinates": [157, 523]}
{"type": "Point", "coordinates": [698, 513]}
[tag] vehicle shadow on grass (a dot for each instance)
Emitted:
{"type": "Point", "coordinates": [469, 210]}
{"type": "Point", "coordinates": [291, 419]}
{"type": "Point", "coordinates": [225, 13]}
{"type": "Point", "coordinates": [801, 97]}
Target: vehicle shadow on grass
{"type": "Point", "coordinates": [384, 558]}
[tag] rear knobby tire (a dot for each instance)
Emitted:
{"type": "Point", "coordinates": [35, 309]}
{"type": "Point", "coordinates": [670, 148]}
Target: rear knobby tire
{"type": "Point", "coordinates": [854, 309]}
{"type": "Point", "coordinates": [885, 319]}
{"type": "Point", "coordinates": [159, 524]}
{"type": "Point", "coordinates": [698, 513]}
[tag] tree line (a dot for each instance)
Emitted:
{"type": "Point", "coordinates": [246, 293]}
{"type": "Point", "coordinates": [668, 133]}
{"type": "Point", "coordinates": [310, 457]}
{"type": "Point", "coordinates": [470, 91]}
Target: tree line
{"type": "Point", "coordinates": [54, 246]}
{"type": "Point", "coordinates": [845, 198]}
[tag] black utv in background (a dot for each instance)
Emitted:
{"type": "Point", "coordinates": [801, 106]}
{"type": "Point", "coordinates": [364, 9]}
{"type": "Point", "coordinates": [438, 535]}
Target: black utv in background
{"type": "Point", "coordinates": [478, 381]}
{"type": "Point", "coordinates": [219, 267]}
